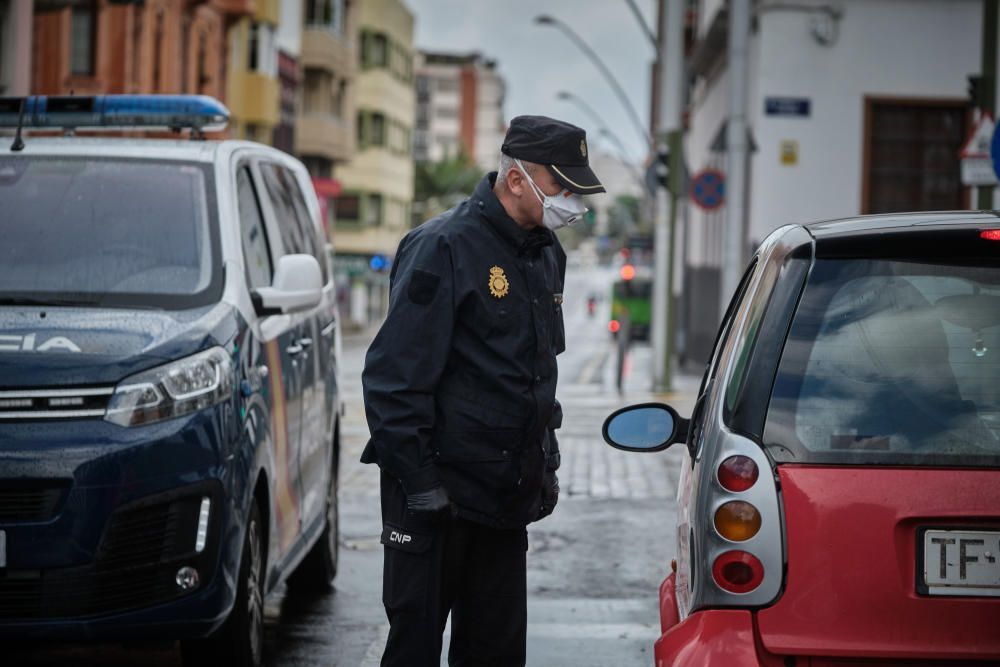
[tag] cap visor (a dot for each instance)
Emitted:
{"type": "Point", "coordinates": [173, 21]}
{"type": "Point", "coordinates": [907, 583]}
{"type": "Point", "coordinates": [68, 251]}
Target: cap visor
{"type": "Point", "coordinates": [580, 180]}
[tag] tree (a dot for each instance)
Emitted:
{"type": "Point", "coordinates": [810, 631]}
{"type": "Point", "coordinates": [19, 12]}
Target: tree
{"type": "Point", "coordinates": [440, 185]}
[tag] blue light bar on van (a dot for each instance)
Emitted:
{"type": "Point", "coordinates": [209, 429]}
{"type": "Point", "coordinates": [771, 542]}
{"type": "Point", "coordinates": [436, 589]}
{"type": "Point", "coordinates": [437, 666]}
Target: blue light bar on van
{"type": "Point", "coordinates": [121, 112]}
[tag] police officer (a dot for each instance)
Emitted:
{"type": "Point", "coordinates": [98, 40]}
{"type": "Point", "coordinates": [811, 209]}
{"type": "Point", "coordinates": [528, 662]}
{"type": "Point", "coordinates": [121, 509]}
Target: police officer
{"type": "Point", "coordinates": [459, 388]}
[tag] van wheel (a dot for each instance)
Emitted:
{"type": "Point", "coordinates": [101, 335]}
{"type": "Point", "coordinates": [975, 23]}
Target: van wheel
{"type": "Point", "coordinates": [240, 640]}
{"type": "Point", "coordinates": [318, 569]}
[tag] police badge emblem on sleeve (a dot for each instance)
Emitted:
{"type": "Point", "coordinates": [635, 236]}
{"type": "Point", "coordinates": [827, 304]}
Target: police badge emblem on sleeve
{"type": "Point", "coordinates": [499, 287]}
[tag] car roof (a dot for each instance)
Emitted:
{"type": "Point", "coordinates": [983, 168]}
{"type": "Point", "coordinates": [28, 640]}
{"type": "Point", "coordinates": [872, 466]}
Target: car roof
{"type": "Point", "coordinates": [871, 225]}
{"type": "Point", "coordinates": [126, 147]}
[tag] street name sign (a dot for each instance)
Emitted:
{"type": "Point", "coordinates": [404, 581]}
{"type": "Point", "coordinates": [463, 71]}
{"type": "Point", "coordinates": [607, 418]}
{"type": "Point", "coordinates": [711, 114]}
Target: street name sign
{"type": "Point", "coordinates": [787, 106]}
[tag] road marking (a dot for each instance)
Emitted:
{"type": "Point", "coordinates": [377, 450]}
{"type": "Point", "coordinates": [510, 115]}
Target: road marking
{"type": "Point", "coordinates": [596, 362]}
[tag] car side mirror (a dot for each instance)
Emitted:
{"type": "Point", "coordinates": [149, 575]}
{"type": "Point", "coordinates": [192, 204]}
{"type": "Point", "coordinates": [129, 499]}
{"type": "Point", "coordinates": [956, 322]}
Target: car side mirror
{"type": "Point", "coordinates": [297, 286]}
{"type": "Point", "coordinates": [648, 427]}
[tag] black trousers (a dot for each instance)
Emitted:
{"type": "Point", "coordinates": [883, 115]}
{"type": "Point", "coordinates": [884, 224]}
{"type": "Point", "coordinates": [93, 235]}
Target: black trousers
{"type": "Point", "coordinates": [435, 564]}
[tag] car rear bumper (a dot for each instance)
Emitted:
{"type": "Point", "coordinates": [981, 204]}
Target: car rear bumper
{"type": "Point", "coordinates": [716, 637]}
{"type": "Point", "coordinates": [99, 557]}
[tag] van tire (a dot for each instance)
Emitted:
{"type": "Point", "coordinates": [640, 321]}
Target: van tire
{"type": "Point", "coordinates": [240, 640]}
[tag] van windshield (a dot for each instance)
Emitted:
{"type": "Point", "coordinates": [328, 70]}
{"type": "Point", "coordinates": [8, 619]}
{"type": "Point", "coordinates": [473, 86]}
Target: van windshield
{"type": "Point", "coordinates": [102, 232]}
{"type": "Point", "coordinates": [892, 363]}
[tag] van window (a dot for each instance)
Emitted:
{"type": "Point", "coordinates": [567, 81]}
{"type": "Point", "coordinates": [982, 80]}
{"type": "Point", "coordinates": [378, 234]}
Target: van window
{"type": "Point", "coordinates": [297, 231]}
{"type": "Point", "coordinates": [891, 362]}
{"type": "Point", "coordinates": [108, 232]}
{"type": "Point", "coordinates": [256, 250]}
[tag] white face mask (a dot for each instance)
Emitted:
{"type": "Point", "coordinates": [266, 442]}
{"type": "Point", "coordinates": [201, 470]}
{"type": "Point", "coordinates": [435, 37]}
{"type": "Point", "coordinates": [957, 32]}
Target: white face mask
{"type": "Point", "coordinates": [559, 210]}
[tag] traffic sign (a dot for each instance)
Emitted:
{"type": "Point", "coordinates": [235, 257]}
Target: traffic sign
{"type": "Point", "coordinates": [995, 152]}
{"type": "Point", "coordinates": [978, 143]}
{"type": "Point", "coordinates": [978, 171]}
{"type": "Point", "coordinates": [708, 189]}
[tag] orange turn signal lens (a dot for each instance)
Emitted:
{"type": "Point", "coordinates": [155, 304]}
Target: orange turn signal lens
{"type": "Point", "coordinates": [737, 521]}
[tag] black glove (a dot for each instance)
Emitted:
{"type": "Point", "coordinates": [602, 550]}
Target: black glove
{"type": "Point", "coordinates": [550, 493]}
{"type": "Point", "coordinates": [432, 500]}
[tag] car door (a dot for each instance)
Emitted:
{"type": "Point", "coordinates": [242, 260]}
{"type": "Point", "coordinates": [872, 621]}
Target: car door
{"type": "Point", "coordinates": [298, 236]}
{"type": "Point", "coordinates": [287, 347]}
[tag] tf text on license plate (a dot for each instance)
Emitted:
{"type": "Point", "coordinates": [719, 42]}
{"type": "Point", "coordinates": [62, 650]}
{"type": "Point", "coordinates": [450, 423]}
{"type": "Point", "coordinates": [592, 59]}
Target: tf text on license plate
{"type": "Point", "coordinates": [962, 562]}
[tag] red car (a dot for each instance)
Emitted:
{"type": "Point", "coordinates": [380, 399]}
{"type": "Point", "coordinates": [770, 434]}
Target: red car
{"type": "Point", "coordinates": [839, 503]}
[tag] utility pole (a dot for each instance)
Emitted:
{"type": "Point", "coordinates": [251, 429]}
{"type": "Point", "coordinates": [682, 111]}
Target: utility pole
{"type": "Point", "coordinates": [670, 55]}
{"type": "Point", "coordinates": [736, 150]}
{"type": "Point", "coordinates": [988, 84]}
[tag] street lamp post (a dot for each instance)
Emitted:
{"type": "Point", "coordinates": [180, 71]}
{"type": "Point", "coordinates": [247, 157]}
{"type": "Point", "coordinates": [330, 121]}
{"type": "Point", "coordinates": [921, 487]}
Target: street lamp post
{"type": "Point", "coordinates": [602, 128]}
{"type": "Point", "coordinates": [545, 19]}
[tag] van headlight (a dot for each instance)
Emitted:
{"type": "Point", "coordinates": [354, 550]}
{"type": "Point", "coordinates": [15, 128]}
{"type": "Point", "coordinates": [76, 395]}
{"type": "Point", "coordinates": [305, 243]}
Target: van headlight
{"type": "Point", "coordinates": [178, 388]}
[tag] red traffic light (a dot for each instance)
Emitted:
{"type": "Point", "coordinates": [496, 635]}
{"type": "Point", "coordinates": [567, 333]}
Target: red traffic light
{"type": "Point", "coordinates": [628, 272]}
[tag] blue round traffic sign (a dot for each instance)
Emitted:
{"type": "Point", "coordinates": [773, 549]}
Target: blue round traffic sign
{"type": "Point", "coordinates": [995, 152]}
{"type": "Point", "coordinates": [708, 189]}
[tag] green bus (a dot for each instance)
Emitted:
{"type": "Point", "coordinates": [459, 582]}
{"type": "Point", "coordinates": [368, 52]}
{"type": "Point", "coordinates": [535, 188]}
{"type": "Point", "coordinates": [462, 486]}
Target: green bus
{"type": "Point", "coordinates": [630, 307]}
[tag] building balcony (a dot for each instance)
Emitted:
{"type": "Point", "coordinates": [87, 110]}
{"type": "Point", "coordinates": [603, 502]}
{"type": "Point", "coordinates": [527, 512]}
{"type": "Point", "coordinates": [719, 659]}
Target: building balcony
{"type": "Point", "coordinates": [254, 98]}
{"type": "Point", "coordinates": [323, 49]}
{"type": "Point", "coordinates": [324, 135]}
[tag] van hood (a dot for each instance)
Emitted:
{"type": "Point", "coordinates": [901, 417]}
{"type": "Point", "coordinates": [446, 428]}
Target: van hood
{"type": "Point", "coordinates": [54, 347]}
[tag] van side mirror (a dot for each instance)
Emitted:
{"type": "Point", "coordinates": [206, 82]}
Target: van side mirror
{"type": "Point", "coordinates": [297, 286]}
{"type": "Point", "coordinates": [648, 427]}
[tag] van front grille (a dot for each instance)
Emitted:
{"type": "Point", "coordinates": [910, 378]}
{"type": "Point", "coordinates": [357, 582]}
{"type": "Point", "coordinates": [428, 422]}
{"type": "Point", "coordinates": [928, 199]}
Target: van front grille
{"type": "Point", "coordinates": [54, 403]}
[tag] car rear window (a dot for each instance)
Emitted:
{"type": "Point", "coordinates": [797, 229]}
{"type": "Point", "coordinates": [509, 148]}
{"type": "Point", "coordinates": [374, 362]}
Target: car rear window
{"type": "Point", "coordinates": [891, 362]}
{"type": "Point", "coordinates": [107, 232]}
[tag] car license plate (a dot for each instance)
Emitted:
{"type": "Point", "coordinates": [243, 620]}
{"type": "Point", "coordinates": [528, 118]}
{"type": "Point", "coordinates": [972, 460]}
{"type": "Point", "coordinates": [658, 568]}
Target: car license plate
{"type": "Point", "coordinates": [962, 562]}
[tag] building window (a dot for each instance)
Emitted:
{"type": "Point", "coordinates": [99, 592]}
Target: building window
{"type": "Point", "coordinates": [372, 129]}
{"type": "Point", "coordinates": [380, 50]}
{"type": "Point", "coordinates": [327, 14]}
{"type": "Point", "coordinates": [83, 40]}
{"type": "Point", "coordinates": [253, 48]}
{"type": "Point", "coordinates": [348, 207]}
{"type": "Point", "coordinates": [373, 210]}
{"type": "Point", "coordinates": [912, 159]}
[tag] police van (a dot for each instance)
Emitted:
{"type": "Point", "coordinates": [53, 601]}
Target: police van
{"type": "Point", "coordinates": [169, 400]}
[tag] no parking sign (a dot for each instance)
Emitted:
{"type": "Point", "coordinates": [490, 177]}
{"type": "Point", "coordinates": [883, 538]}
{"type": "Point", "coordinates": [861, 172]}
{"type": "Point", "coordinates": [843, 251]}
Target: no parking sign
{"type": "Point", "coordinates": [708, 189]}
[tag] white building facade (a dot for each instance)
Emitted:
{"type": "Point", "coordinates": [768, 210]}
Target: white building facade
{"type": "Point", "coordinates": [459, 109]}
{"type": "Point", "coordinates": [855, 106]}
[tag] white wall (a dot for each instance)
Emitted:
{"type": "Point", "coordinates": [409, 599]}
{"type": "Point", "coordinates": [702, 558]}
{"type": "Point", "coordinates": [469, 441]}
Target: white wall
{"type": "Point", "coordinates": [911, 48]}
{"type": "Point", "coordinates": [289, 34]}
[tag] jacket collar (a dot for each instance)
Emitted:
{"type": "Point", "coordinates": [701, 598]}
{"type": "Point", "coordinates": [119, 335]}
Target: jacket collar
{"type": "Point", "coordinates": [524, 241]}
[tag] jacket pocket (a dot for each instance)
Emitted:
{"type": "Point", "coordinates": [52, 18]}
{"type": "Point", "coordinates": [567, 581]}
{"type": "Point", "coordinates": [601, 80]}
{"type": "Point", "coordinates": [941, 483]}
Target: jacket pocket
{"type": "Point", "coordinates": [479, 462]}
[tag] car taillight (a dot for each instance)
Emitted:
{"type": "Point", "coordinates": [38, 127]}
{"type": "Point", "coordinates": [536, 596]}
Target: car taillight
{"type": "Point", "coordinates": [738, 572]}
{"type": "Point", "coordinates": [614, 326]}
{"type": "Point", "coordinates": [737, 521]}
{"type": "Point", "coordinates": [738, 473]}
{"type": "Point", "coordinates": [990, 234]}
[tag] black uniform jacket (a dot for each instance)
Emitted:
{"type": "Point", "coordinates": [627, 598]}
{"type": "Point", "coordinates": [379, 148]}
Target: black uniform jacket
{"type": "Point", "coordinates": [459, 383]}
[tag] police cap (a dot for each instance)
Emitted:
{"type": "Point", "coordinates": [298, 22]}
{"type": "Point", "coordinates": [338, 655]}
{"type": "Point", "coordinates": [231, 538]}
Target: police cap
{"type": "Point", "coordinates": [561, 147]}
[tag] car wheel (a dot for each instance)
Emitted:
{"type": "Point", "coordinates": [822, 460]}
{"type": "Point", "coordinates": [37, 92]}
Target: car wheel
{"type": "Point", "coordinates": [318, 569]}
{"type": "Point", "coordinates": [240, 640]}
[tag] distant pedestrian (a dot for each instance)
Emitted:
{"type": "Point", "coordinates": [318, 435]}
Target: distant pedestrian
{"type": "Point", "coordinates": [459, 388]}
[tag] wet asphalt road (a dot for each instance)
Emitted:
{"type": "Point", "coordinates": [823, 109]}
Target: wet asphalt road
{"type": "Point", "coordinates": [594, 567]}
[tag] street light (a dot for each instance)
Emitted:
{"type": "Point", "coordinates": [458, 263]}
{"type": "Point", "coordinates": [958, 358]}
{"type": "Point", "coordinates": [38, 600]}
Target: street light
{"type": "Point", "coordinates": [545, 19]}
{"type": "Point", "coordinates": [603, 130]}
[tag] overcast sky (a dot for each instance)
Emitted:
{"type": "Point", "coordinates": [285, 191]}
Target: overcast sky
{"type": "Point", "coordinates": [538, 61]}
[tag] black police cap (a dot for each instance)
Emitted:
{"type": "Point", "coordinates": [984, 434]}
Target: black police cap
{"type": "Point", "coordinates": [561, 147]}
